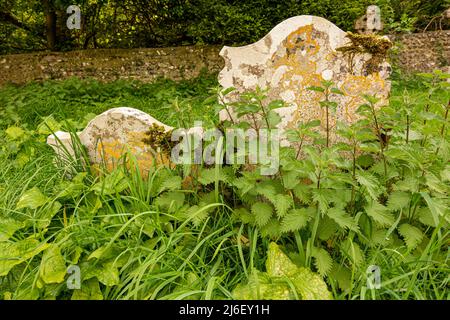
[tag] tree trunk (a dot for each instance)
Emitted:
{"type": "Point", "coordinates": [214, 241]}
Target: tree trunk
{"type": "Point", "coordinates": [50, 24]}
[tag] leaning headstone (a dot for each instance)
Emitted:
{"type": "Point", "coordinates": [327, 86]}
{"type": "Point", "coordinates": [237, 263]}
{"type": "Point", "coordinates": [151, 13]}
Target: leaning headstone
{"type": "Point", "coordinates": [370, 23]}
{"type": "Point", "coordinates": [302, 52]}
{"type": "Point", "coordinates": [114, 133]}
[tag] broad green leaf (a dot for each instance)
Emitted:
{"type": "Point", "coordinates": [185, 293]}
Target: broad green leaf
{"type": "Point", "coordinates": [32, 199]}
{"type": "Point", "coordinates": [113, 183]}
{"type": "Point", "coordinates": [90, 290]}
{"type": "Point", "coordinates": [14, 132]}
{"type": "Point", "coordinates": [8, 226]}
{"type": "Point", "coordinates": [53, 266]}
{"type": "Point", "coordinates": [412, 235]}
{"type": "Point", "coordinates": [262, 212]}
{"type": "Point", "coordinates": [278, 263]}
{"type": "Point", "coordinates": [46, 214]}
{"type": "Point", "coordinates": [48, 126]}
{"type": "Point", "coordinates": [14, 253]}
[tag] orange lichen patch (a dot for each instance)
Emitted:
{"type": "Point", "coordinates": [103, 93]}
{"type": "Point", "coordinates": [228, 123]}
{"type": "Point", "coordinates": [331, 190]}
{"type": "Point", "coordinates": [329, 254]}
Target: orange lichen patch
{"type": "Point", "coordinates": [302, 39]}
{"type": "Point", "coordinates": [114, 152]}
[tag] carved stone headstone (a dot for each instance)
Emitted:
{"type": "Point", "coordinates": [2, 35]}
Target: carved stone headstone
{"type": "Point", "coordinates": [299, 53]}
{"type": "Point", "coordinates": [112, 134]}
{"type": "Point", "coordinates": [370, 23]}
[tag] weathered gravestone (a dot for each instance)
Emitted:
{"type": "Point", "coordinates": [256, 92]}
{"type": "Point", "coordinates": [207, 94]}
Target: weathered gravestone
{"type": "Point", "coordinates": [302, 52]}
{"type": "Point", "coordinates": [298, 53]}
{"type": "Point", "coordinates": [114, 133]}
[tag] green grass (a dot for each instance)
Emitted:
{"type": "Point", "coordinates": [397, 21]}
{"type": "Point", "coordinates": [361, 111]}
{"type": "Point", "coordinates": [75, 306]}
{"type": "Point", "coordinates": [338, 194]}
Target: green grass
{"type": "Point", "coordinates": [137, 238]}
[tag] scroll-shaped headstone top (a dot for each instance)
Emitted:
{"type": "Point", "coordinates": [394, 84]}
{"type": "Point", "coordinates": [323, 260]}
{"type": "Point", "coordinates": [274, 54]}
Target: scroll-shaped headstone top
{"type": "Point", "coordinates": [300, 53]}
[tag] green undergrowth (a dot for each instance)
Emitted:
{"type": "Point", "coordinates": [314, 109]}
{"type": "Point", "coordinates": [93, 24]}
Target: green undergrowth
{"type": "Point", "coordinates": [332, 214]}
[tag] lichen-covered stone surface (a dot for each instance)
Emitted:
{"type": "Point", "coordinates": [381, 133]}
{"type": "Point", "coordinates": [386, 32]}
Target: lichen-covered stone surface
{"type": "Point", "coordinates": [111, 135]}
{"type": "Point", "coordinates": [299, 53]}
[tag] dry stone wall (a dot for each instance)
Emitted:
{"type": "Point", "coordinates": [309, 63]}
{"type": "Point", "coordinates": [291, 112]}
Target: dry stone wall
{"type": "Point", "coordinates": [417, 52]}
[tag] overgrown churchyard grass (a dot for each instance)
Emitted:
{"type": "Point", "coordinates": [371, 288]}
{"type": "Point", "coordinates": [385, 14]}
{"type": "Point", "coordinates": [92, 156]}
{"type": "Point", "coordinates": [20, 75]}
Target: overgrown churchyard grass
{"type": "Point", "coordinates": [384, 214]}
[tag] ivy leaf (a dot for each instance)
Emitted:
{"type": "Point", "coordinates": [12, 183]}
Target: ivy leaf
{"type": "Point", "coordinates": [343, 219]}
{"type": "Point", "coordinates": [379, 214]}
{"type": "Point", "coordinates": [295, 220]}
{"type": "Point", "coordinates": [322, 260]}
{"type": "Point", "coordinates": [53, 266]}
{"type": "Point", "coordinates": [412, 235]}
{"type": "Point", "coordinates": [32, 199]}
{"type": "Point", "coordinates": [263, 212]}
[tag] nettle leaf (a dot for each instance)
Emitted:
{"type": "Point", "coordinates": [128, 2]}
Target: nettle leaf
{"type": "Point", "coordinates": [343, 219]}
{"type": "Point", "coordinates": [53, 265]}
{"type": "Point", "coordinates": [263, 212]}
{"type": "Point", "coordinates": [14, 253]}
{"type": "Point", "coordinates": [282, 204]}
{"type": "Point", "coordinates": [426, 217]}
{"type": "Point", "coordinates": [208, 176]}
{"type": "Point", "coordinates": [32, 199]}
{"type": "Point", "coordinates": [171, 183]}
{"type": "Point", "coordinates": [370, 182]}
{"type": "Point", "coordinates": [303, 192]}
{"type": "Point", "coordinates": [353, 252]}
{"type": "Point", "coordinates": [171, 201]}
{"type": "Point", "coordinates": [244, 215]}
{"type": "Point", "coordinates": [266, 189]}
{"type": "Point", "coordinates": [295, 220]}
{"type": "Point", "coordinates": [322, 198]}
{"type": "Point", "coordinates": [322, 260]}
{"type": "Point", "coordinates": [412, 235]}
{"type": "Point", "coordinates": [398, 200]}
{"type": "Point", "coordinates": [379, 214]}
{"type": "Point", "coordinates": [271, 229]}
{"type": "Point", "coordinates": [327, 228]}
{"type": "Point", "coordinates": [435, 184]}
